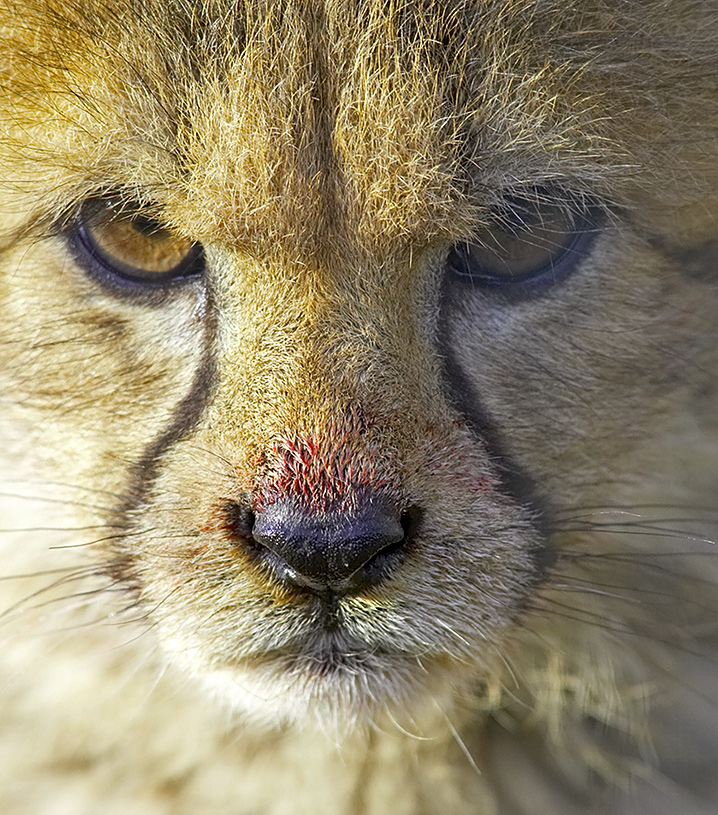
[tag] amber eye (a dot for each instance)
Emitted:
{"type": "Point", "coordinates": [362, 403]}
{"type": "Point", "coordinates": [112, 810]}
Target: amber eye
{"type": "Point", "coordinates": [532, 242]}
{"type": "Point", "coordinates": [123, 245]}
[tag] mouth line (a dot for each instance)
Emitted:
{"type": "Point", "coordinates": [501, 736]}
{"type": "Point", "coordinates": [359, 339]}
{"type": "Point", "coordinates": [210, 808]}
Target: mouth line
{"type": "Point", "coordinates": [330, 652]}
{"type": "Point", "coordinates": [326, 663]}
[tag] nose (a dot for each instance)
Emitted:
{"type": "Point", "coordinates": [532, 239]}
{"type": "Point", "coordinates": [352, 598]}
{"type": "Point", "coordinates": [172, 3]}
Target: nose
{"type": "Point", "coordinates": [335, 551]}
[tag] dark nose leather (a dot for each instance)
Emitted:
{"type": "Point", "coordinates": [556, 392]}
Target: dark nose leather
{"type": "Point", "coordinates": [330, 551]}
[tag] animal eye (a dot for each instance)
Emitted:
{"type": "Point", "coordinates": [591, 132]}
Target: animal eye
{"type": "Point", "coordinates": [123, 245]}
{"type": "Point", "coordinates": [531, 243]}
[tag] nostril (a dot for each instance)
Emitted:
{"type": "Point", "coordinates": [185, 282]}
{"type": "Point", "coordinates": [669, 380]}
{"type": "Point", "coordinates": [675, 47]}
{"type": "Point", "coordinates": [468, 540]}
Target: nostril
{"type": "Point", "coordinates": [410, 520]}
{"type": "Point", "coordinates": [385, 561]}
{"type": "Point", "coordinates": [238, 519]}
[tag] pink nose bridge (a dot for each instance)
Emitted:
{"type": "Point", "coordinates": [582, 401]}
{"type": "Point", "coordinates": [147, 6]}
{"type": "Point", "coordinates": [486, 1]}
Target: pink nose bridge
{"type": "Point", "coordinates": [331, 469]}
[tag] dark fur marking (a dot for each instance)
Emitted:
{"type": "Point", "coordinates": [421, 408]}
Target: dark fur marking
{"type": "Point", "coordinates": [513, 480]}
{"type": "Point", "coordinates": [697, 262]}
{"type": "Point", "coordinates": [186, 416]}
{"type": "Point", "coordinates": [121, 567]}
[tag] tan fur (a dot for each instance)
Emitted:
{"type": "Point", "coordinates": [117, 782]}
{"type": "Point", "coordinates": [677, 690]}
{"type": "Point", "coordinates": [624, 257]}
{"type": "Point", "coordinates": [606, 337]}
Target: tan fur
{"type": "Point", "coordinates": [543, 647]}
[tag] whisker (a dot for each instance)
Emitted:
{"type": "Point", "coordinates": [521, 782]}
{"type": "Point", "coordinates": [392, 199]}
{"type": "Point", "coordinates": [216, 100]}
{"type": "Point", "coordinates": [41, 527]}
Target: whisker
{"type": "Point", "coordinates": [644, 530]}
{"type": "Point", "coordinates": [60, 501]}
{"type": "Point", "coordinates": [630, 557]}
{"type": "Point", "coordinates": [74, 576]}
{"type": "Point", "coordinates": [580, 584]}
{"type": "Point", "coordinates": [646, 633]}
{"type": "Point", "coordinates": [96, 541]}
{"type": "Point", "coordinates": [590, 590]}
{"type": "Point", "coordinates": [24, 529]}
{"type": "Point", "coordinates": [459, 741]}
{"type": "Point", "coordinates": [66, 485]}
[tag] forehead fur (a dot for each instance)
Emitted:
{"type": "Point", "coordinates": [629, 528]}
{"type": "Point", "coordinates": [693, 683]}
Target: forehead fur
{"type": "Point", "coordinates": [342, 125]}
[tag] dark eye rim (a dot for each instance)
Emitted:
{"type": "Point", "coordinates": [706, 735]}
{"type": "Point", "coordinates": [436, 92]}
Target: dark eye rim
{"type": "Point", "coordinates": [116, 275]}
{"type": "Point", "coordinates": [587, 226]}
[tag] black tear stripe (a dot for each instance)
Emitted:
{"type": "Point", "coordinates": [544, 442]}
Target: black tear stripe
{"type": "Point", "coordinates": [514, 481]}
{"type": "Point", "coordinates": [699, 262]}
{"type": "Point", "coordinates": [186, 416]}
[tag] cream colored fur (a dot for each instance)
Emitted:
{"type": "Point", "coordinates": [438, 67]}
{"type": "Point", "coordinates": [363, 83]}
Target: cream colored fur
{"type": "Point", "coordinates": [548, 644]}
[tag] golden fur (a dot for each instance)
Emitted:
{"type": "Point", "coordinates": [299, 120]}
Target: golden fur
{"type": "Point", "coordinates": [547, 643]}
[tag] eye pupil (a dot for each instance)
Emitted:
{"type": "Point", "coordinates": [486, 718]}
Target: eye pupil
{"type": "Point", "coordinates": [123, 245]}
